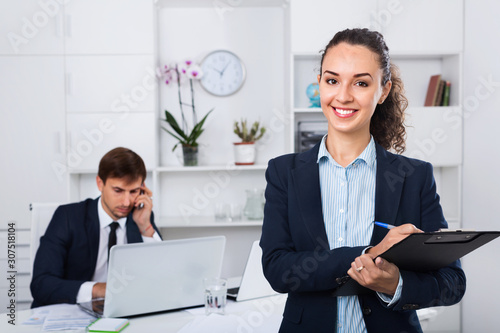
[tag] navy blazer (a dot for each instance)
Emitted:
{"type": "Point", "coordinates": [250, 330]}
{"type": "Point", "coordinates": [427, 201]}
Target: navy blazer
{"type": "Point", "coordinates": [297, 258]}
{"type": "Point", "coordinates": [67, 255]}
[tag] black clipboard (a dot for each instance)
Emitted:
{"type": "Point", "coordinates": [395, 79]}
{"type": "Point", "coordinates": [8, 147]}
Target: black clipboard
{"type": "Point", "coordinates": [422, 252]}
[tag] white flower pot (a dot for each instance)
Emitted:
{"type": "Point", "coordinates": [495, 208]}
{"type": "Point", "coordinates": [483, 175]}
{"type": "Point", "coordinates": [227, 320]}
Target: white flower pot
{"type": "Point", "coordinates": [244, 153]}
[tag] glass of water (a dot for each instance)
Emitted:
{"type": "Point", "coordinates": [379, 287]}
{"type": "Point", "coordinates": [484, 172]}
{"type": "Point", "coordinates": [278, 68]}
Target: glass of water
{"type": "Point", "coordinates": [215, 295]}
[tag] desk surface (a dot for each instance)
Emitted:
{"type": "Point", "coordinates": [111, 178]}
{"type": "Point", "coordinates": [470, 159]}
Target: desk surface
{"type": "Point", "coordinates": [262, 315]}
{"type": "Point", "coordinates": [258, 315]}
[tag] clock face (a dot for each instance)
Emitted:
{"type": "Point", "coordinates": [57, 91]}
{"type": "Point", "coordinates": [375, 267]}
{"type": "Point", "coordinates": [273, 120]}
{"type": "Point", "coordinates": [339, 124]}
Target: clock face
{"type": "Point", "coordinates": [223, 73]}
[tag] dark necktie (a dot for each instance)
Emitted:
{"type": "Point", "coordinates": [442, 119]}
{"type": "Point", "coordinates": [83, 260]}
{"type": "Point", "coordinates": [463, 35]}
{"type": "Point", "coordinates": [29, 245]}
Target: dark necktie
{"type": "Point", "coordinates": [112, 235]}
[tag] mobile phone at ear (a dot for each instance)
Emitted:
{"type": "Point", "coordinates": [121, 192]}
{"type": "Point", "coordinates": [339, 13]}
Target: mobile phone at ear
{"type": "Point", "coordinates": [141, 205]}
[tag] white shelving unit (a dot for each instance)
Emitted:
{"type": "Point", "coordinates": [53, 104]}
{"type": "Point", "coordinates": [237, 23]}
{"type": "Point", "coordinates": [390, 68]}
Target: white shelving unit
{"type": "Point", "coordinates": [205, 222]}
{"type": "Point", "coordinates": [199, 189]}
{"type": "Point", "coordinates": [230, 167]}
{"type": "Point", "coordinates": [187, 195]}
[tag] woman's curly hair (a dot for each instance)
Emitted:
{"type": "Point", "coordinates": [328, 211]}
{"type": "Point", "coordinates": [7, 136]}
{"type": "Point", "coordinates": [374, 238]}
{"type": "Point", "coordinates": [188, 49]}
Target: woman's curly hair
{"type": "Point", "coordinates": [387, 123]}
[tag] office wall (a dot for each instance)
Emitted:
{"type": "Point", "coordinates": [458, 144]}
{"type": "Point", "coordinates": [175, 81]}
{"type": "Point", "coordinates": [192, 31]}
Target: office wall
{"type": "Point", "coordinates": [481, 178]}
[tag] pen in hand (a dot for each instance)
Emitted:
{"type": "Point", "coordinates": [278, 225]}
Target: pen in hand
{"type": "Point", "coordinates": [384, 225]}
{"type": "Point", "coordinates": [344, 279]}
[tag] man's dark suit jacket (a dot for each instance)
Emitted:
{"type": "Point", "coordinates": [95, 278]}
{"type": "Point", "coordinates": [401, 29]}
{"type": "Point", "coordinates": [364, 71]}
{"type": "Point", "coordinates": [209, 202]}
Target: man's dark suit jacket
{"type": "Point", "coordinates": [297, 258]}
{"type": "Point", "coordinates": [67, 254]}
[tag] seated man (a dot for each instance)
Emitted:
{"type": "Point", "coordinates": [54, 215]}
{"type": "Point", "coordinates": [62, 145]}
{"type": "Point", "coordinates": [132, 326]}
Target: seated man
{"type": "Point", "coordinates": [72, 260]}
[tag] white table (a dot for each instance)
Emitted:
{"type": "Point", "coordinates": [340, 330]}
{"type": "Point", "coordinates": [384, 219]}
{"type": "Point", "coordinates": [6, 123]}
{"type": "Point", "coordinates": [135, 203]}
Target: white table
{"type": "Point", "coordinates": [259, 315]}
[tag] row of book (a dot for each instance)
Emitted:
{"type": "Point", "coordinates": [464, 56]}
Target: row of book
{"type": "Point", "coordinates": [438, 92]}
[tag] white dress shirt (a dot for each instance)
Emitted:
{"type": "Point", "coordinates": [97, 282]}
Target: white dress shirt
{"type": "Point", "coordinates": [101, 269]}
{"type": "Point", "coordinates": [348, 204]}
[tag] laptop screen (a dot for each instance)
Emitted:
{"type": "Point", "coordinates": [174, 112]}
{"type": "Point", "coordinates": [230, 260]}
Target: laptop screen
{"type": "Point", "coordinates": [153, 277]}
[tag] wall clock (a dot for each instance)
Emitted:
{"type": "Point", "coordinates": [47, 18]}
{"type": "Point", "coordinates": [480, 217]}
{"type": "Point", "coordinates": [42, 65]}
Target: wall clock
{"type": "Point", "coordinates": [223, 73]}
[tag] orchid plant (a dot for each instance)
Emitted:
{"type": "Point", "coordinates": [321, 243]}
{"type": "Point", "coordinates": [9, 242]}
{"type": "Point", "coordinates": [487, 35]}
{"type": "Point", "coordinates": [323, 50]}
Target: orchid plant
{"type": "Point", "coordinates": [178, 73]}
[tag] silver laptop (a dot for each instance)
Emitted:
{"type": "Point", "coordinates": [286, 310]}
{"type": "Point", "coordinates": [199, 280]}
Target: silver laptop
{"type": "Point", "coordinates": [153, 277]}
{"type": "Point", "coordinates": [253, 283]}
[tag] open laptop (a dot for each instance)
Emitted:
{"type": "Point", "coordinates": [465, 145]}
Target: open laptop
{"type": "Point", "coordinates": [253, 283]}
{"type": "Point", "coordinates": [153, 277]}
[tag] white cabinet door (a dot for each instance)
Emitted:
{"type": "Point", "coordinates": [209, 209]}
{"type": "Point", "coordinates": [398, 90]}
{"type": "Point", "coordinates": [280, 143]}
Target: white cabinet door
{"type": "Point", "coordinates": [110, 83]}
{"type": "Point", "coordinates": [32, 127]}
{"type": "Point", "coordinates": [92, 135]}
{"type": "Point", "coordinates": [109, 27]}
{"type": "Point", "coordinates": [435, 135]}
{"type": "Point", "coordinates": [424, 25]}
{"type": "Point", "coordinates": [314, 23]}
{"type": "Point", "coordinates": [31, 27]}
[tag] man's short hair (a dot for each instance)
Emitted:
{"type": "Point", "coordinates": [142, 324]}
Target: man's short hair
{"type": "Point", "coordinates": [122, 163]}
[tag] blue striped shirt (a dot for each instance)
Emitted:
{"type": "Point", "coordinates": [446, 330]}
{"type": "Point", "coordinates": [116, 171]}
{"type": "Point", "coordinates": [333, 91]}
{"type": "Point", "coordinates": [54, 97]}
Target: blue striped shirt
{"type": "Point", "coordinates": [348, 201]}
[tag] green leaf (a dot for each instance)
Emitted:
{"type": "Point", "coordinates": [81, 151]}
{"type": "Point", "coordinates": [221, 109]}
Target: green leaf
{"type": "Point", "coordinates": [198, 129]}
{"type": "Point", "coordinates": [173, 123]}
{"type": "Point", "coordinates": [175, 136]}
{"type": "Point", "coordinates": [180, 135]}
{"type": "Point", "coordinates": [262, 131]}
{"type": "Point", "coordinates": [175, 146]}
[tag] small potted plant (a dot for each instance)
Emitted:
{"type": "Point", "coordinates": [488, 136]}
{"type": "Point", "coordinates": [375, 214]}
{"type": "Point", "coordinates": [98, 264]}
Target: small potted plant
{"type": "Point", "coordinates": [187, 139]}
{"type": "Point", "coordinates": [244, 151]}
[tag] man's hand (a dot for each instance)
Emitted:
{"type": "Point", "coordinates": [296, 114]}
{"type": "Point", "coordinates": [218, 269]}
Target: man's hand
{"type": "Point", "coordinates": [142, 213]}
{"type": "Point", "coordinates": [99, 290]}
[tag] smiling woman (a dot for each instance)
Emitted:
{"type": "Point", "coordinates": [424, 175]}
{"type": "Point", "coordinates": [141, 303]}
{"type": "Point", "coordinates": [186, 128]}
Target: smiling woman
{"type": "Point", "coordinates": [350, 87]}
{"type": "Point", "coordinates": [359, 68]}
{"type": "Point", "coordinates": [321, 204]}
